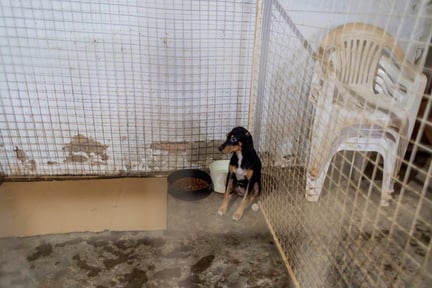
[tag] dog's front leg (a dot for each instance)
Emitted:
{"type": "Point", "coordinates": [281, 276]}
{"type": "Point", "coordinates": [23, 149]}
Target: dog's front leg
{"type": "Point", "coordinates": [239, 212]}
{"type": "Point", "coordinates": [255, 193]}
{"type": "Point", "coordinates": [228, 190]}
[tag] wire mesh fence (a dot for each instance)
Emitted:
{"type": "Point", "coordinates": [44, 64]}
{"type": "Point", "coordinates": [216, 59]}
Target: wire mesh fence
{"type": "Point", "coordinates": [348, 237]}
{"type": "Point", "coordinates": [112, 88]}
{"type": "Point", "coordinates": [143, 87]}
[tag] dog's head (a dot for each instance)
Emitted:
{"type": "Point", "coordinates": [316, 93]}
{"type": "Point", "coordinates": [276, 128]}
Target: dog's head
{"type": "Point", "coordinates": [239, 139]}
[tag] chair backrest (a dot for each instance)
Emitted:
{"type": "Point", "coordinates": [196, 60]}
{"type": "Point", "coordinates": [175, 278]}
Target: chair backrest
{"type": "Point", "coordinates": [363, 56]}
{"type": "Point", "coordinates": [353, 51]}
{"type": "Point", "coordinates": [368, 60]}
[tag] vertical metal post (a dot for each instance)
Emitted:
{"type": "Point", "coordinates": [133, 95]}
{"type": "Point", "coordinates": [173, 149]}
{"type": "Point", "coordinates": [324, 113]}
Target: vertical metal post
{"type": "Point", "coordinates": [265, 39]}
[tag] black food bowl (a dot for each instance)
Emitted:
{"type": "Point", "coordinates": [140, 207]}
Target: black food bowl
{"type": "Point", "coordinates": [189, 184]}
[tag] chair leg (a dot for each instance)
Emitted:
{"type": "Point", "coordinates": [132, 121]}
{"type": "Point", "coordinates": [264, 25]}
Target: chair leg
{"type": "Point", "coordinates": [360, 161]}
{"type": "Point", "coordinates": [314, 185]}
{"type": "Point", "coordinates": [388, 183]}
{"type": "Point", "coordinates": [385, 197]}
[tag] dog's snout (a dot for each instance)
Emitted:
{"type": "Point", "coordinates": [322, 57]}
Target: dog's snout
{"type": "Point", "coordinates": [221, 147]}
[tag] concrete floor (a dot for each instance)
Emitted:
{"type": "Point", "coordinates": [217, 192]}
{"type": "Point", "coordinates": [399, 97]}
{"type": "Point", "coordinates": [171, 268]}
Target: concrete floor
{"type": "Point", "coordinates": [346, 239]}
{"type": "Point", "coordinates": [199, 249]}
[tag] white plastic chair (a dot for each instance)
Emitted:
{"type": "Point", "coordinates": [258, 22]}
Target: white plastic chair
{"type": "Point", "coordinates": [366, 96]}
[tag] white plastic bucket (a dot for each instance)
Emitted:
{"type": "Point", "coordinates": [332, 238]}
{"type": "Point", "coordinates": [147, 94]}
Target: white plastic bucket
{"type": "Point", "coordinates": [218, 174]}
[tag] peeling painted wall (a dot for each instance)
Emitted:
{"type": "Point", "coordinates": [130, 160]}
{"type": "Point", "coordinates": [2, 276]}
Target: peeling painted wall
{"type": "Point", "coordinates": [130, 74]}
{"type": "Point", "coordinates": [125, 75]}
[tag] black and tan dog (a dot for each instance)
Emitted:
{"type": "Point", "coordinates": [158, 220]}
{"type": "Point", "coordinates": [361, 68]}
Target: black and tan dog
{"type": "Point", "coordinates": [244, 174]}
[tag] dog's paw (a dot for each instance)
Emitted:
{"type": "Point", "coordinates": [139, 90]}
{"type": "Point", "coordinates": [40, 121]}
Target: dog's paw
{"type": "Point", "coordinates": [255, 207]}
{"type": "Point", "coordinates": [222, 211]}
{"type": "Point", "coordinates": [237, 216]}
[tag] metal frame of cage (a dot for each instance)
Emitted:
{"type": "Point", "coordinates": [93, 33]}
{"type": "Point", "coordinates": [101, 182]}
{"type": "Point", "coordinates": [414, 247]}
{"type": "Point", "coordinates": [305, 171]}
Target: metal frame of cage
{"type": "Point", "coordinates": [76, 102]}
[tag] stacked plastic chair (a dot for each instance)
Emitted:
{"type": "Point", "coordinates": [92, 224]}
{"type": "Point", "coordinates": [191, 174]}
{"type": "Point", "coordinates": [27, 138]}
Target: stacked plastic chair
{"type": "Point", "coordinates": [366, 96]}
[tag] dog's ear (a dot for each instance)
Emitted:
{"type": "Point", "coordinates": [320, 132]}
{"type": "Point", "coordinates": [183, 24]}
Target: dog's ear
{"type": "Point", "coordinates": [249, 141]}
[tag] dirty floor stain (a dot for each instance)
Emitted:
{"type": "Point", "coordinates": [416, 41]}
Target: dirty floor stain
{"type": "Point", "coordinates": [199, 249]}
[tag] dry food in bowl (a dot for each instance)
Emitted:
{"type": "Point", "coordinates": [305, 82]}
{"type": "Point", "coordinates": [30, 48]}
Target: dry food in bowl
{"type": "Point", "coordinates": [189, 184]}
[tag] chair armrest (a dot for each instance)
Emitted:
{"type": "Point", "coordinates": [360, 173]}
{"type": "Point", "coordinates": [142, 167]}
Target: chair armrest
{"type": "Point", "coordinates": [361, 98]}
{"type": "Point", "coordinates": [399, 79]}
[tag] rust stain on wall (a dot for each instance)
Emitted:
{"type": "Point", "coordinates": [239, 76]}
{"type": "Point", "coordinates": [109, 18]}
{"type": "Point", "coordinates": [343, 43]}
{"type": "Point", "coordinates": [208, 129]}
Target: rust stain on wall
{"type": "Point", "coordinates": [204, 152]}
{"type": "Point", "coordinates": [171, 146]}
{"type": "Point", "coordinates": [25, 161]}
{"type": "Point", "coordinates": [199, 153]}
{"type": "Point", "coordinates": [84, 149]}
{"type": "Point", "coordinates": [20, 154]}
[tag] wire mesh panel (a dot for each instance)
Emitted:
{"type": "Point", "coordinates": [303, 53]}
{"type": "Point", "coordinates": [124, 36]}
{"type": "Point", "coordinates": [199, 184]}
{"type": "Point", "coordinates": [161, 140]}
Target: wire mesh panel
{"type": "Point", "coordinates": [132, 87]}
{"type": "Point", "coordinates": [363, 162]}
{"type": "Point", "coordinates": [113, 88]}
